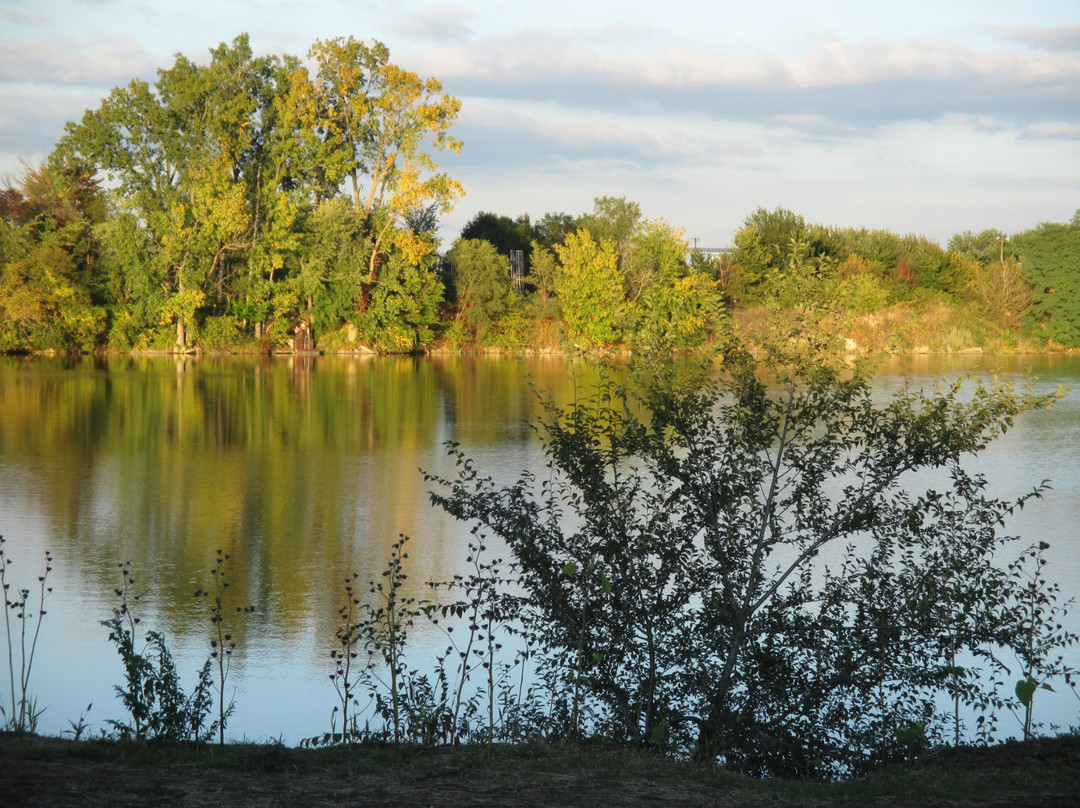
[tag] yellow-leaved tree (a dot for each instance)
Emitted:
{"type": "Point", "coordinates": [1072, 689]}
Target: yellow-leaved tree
{"type": "Point", "coordinates": [381, 124]}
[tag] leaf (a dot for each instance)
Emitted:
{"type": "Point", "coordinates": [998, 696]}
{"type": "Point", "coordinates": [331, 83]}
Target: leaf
{"type": "Point", "coordinates": [569, 569]}
{"type": "Point", "coordinates": [1025, 691]}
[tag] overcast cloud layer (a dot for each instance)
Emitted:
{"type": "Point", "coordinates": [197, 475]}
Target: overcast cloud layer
{"type": "Point", "coordinates": [929, 117]}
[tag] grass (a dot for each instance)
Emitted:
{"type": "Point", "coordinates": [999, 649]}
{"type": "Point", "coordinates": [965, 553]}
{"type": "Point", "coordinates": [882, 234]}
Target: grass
{"type": "Point", "coordinates": [50, 771]}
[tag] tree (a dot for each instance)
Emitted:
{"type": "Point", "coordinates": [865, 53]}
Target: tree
{"type": "Point", "coordinates": [49, 287]}
{"type": "Point", "coordinates": [502, 232]}
{"type": "Point", "coordinates": [750, 570]}
{"type": "Point", "coordinates": [1050, 259]}
{"type": "Point", "coordinates": [484, 292]}
{"type": "Point", "coordinates": [985, 246]}
{"type": "Point", "coordinates": [182, 155]}
{"type": "Point", "coordinates": [553, 228]}
{"type": "Point", "coordinates": [655, 252]}
{"type": "Point", "coordinates": [613, 219]}
{"type": "Point", "coordinates": [381, 124]}
{"type": "Point", "coordinates": [1000, 289]}
{"type": "Point", "coordinates": [764, 246]}
{"type": "Point", "coordinates": [590, 289]}
{"type": "Point", "coordinates": [673, 306]}
{"type": "Point", "coordinates": [401, 315]}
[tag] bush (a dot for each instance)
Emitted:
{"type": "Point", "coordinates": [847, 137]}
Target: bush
{"type": "Point", "coordinates": [747, 570]}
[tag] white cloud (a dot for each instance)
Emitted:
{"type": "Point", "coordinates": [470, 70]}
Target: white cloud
{"type": "Point", "coordinates": [438, 24]}
{"type": "Point", "coordinates": [97, 61]}
{"type": "Point", "coordinates": [847, 112]}
{"type": "Point", "coordinates": [839, 84]}
{"type": "Point", "coordinates": [1055, 129]}
{"type": "Point", "coordinates": [1060, 37]}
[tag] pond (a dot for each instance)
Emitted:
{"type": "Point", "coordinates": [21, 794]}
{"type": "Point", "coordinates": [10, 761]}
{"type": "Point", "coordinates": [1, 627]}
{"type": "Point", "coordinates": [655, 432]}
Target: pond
{"type": "Point", "coordinates": [305, 470]}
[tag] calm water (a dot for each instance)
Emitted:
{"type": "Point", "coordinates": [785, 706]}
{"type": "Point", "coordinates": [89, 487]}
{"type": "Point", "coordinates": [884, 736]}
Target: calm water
{"type": "Point", "coordinates": [306, 471]}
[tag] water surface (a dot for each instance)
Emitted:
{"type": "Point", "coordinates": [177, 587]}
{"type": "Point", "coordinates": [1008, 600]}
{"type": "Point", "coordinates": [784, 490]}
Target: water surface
{"type": "Point", "coordinates": [306, 470]}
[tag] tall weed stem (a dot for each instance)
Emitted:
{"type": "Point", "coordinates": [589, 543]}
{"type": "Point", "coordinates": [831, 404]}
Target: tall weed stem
{"type": "Point", "coordinates": [24, 714]}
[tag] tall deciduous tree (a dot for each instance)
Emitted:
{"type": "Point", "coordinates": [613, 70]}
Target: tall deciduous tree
{"type": "Point", "coordinates": [49, 260]}
{"type": "Point", "coordinates": [613, 218]}
{"type": "Point", "coordinates": [184, 155]}
{"type": "Point", "coordinates": [382, 123]}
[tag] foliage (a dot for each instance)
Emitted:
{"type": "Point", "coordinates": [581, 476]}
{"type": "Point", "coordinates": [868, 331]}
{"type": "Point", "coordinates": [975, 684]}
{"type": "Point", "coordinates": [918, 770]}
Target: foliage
{"type": "Point", "coordinates": [763, 248]}
{"type": "Point", "coordinates": [614, 219]}
{"type": "Point", "coordinates": [553, 228]}
{"type": "Point", "coordinates": [21, 645]}
{"type": "Point", "coordinates": [655, 252]}
{"type": "Point", "coordinates": [859, 285]}
{"type": "Point", "coordinates": [985, 246]}
{"type": "Point", "coordinates": [334, 264]}
{"type": "Point", "coordinates": [748, 570]}
{"type": "Point", "coordinates": [203, 209]}
{"type": "Point", "coordinates": [47, 271]}
{"type": "Point", "coordinates": [1000, 288]}
{"type": "Point", "coordinates": [218, 176]}
{"type": "Point", "coordinates": [1049, 257]}
{"type": "Point", "coordinates": [674, 306]}
{"type": "Point", "coordinates": [589, 289]}
{"type": "Point", "coordinates": [544, 276]}
{"type": "Point", "coordinates": [504, 233]}
{"type": "Point", "coordinates": [403, 309]}
{"type": "Point", "coordinates": [485, 294]}
{"type": "Point", "coordinates": [380, 122]}
{"type": "Point", "coordinates": [1037, 623]}
{"type": "Point", "coordinates": [152, 693]}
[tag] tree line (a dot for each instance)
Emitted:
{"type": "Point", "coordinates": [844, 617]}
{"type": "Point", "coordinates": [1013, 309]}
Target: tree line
{"type": "Point", "coordinates": [224, 205]}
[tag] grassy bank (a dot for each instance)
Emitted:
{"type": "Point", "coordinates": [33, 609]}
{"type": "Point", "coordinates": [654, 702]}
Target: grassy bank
{"type": "Point", "coordinates": [48, 771]}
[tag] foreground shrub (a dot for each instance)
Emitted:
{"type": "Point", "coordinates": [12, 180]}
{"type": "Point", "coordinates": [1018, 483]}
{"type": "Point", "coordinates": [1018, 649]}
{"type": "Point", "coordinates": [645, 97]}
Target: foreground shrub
{"type": "Point", "coordinates": [772, 569]}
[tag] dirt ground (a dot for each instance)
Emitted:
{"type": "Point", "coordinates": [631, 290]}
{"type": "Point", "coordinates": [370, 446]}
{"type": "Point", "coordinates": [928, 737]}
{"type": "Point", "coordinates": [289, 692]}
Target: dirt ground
{"type": "Point", "coordinates": [52, 772]}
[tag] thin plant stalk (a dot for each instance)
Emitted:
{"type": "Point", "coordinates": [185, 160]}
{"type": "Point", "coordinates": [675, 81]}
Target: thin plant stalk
{"type": "Point", "coordinates": [222, 643]}
{"type": "Point", "coordinates": [23, 713]}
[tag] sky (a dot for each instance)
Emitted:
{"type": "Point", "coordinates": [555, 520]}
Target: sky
{"type": "Point", "coordinates": [930, 117]}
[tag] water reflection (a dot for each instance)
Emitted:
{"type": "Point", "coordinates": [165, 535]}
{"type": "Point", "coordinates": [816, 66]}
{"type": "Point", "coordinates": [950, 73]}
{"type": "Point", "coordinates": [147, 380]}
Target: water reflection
{"type": "Point", "coordinates": [305, 470]}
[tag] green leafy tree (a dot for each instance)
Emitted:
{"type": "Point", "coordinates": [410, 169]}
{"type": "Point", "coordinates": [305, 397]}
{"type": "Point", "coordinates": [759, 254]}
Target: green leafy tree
{"type": "Point", "coordinates": [590, 289]}
{"type": "Point", "coordinates": [128, 272]}
{"type": "Point", "coordinates": [614, 219]}
{"type": "Point", "coordinates": [485, 294]}
{"type": "Point", "coordinates": [656, 252]}
{"type": "Point", "coordinates": [543, 275]}
{"type": "Point", "coordinates": [765, 248]}
{"type": "Point", "coordinates": [553, 228]}
{"type": "Point", "coordinates": [986, 246]}
{"type": "Point", "coordinates": [381, 124]}
{"type": "Point", "coordinates": [673, 306]}
{"type": "Point", "coordinates": [49, 289]}
{"type": "Point", "coordinates": [333, 264]}
{"type": "Point", "coordinates": [403, 310]}
{"type": "Point", "coordinates": [1050, 260]}
{"type": "Point", "coordinates": [180, 156]}
{"type": "Point", "coordinates": [504, 233]}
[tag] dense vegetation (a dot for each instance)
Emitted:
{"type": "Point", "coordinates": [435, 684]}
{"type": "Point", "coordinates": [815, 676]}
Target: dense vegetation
{"type": "Point", "coordinates": [227, 204]}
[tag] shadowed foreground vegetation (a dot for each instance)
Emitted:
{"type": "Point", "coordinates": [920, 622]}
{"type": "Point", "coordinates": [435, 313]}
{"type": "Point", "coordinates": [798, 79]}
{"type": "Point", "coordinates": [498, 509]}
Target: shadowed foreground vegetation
{"type": "Point", "coordinates": [48, 771]}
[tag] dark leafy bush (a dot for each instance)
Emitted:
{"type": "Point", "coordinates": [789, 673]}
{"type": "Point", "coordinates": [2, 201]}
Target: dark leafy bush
{"type": "Point", "coordinates": [773, 569]}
